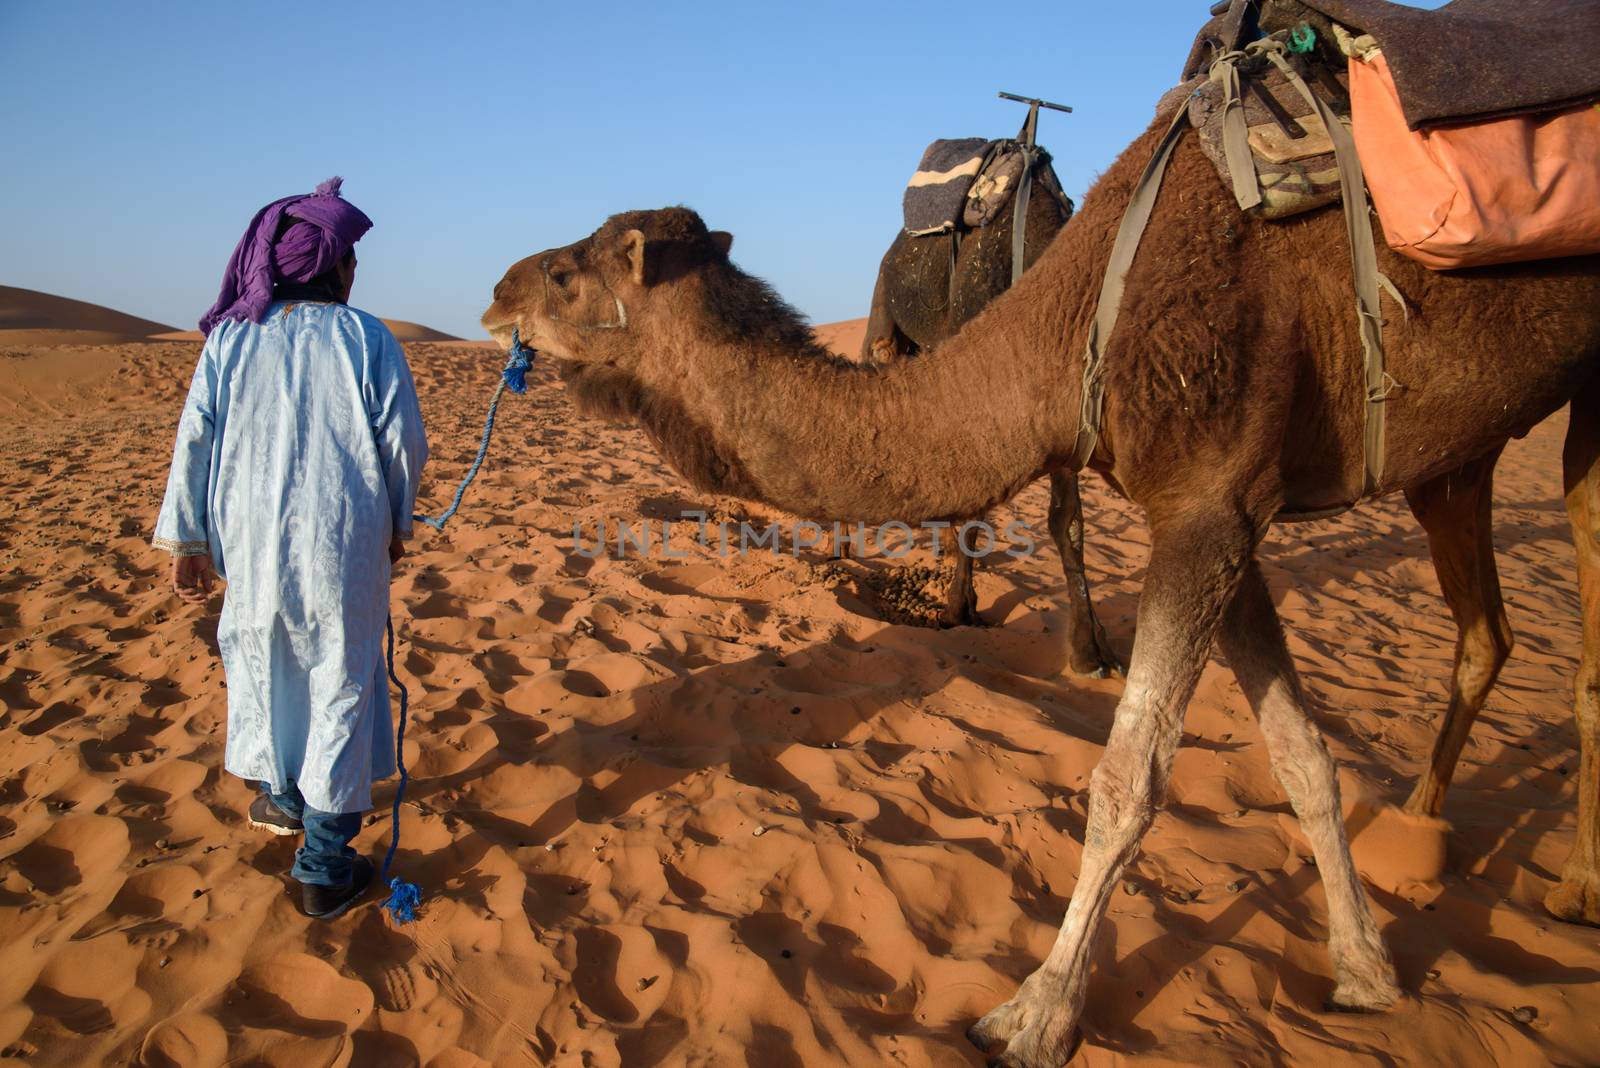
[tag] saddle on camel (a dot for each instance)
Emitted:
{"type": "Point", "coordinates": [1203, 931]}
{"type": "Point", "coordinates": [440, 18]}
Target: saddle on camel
{"type": "Point", "coordinates": [1294, 98]}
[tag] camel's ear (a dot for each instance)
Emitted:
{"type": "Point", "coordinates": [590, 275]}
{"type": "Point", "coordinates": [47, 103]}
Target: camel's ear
{"type": "Point", "coordinates": [633, 247]}
{"type": "Point", "coordinates": [721, 240]}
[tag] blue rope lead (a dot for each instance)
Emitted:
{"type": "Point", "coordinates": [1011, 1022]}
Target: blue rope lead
{"type": "Point", "coordinates": [404, 897]}
{"type": "Point", "coordinates": [513, 377]}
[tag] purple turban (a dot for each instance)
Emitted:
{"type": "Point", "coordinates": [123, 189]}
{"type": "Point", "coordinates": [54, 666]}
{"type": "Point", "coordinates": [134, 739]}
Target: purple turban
{"type": "Point", "coordinates": [325, 227]}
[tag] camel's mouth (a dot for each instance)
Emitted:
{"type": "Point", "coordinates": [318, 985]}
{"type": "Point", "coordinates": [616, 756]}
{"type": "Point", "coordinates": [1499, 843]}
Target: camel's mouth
{"type": "Point", "coordinates": [502, 335]}
{"type": "Point", "coordinates": [510, 341]}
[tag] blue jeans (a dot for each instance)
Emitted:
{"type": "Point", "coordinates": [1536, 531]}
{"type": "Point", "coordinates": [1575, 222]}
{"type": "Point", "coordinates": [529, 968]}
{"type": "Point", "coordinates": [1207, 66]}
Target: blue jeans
{"type": "Point", "coordinates": [324, 859]}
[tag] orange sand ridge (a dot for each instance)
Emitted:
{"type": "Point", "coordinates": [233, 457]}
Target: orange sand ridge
{"type": "Point", "coordinates": [727, 812]}
{"type": "Point", "coordinates": [843, 337]}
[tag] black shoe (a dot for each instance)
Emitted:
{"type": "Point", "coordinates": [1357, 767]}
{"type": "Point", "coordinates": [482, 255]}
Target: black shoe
{"type": "Point", "coordinates": [272, 819]}
{"type": "Point", "coordinates": [326, 902]}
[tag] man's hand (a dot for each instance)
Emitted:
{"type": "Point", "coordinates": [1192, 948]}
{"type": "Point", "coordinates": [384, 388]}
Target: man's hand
{"type": "Point", "coordinates": [191, 577]}
{"type": "Point", "coordinates": [397, 549]}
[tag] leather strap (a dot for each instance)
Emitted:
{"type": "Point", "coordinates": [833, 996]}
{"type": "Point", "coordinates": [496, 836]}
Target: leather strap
{"type": "Point", "coordinates": [1235, 133]}
{"type": "Point", "coordinates": [1364, 267]}
{"type": "Point", "coordinates": [1123, 249]}
{"type": "Point", "coordinates": [955, 259]}
{"type": "Point", "coordinates": [1019, 218]}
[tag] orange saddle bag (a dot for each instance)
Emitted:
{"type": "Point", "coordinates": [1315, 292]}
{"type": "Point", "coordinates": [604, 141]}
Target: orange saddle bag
{"type": "Point", "coordinates": [1525, 187]}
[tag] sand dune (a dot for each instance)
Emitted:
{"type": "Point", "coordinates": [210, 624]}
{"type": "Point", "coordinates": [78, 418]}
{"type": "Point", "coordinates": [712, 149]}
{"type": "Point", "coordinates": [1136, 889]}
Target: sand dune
{"type": "Point", "coordinates": [75, 320]}
{"type": "Point", "coordinates": [408, 332]}
{"type": "Point", "coordinates": [736, 812]}
{"type": "Point", "coordinates": [843, 337]}
{"type": "Point", "coordinates": [402, 330]}
{"type": "Point", "coordinates": [30, 319]}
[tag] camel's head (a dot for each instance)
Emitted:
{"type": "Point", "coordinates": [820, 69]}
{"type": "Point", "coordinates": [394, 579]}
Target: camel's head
{"type": "Point", "coordinates": [596, 301]}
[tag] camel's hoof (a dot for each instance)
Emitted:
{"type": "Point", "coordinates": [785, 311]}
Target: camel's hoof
{"type": "Point", "coordinates": [1575, 902]}
{"type": "Point", "coordinates": [996, 1027]}
{"type": "Point", "coordinates": [1093, 669]}
{"type": "Point", "coordinates": [1097, 663]}
{"type": "Point", "coordinates": [1036, 1047]}
{"type": "Point", "coordinates": [1373, 994]}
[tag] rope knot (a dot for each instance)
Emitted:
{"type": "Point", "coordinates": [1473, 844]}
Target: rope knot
{"type": "Point", "coordinates": [403, 900]}
{"type": "Point", "coordinates": [516, 369]}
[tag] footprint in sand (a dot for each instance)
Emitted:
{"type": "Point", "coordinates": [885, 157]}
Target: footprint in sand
{"type": "Point", "coordinates": [618, 972]}
{"type": "Point", "coordinates": [88, 986]}
{"type": "Point", "coordinates": [167, 892]}
{"type": "Point", "coordinates": [303, 995]}
{"type": "Point", "coordinates": [400, 986]}
{"type": "Point", "coordinates": [190, 1040]}
{"type": "Point", "coordinates": [52, 717]}
{"type": "Point", "coordinates": [76, 849]}
{"type": "Point", "coordinates": [175, 778]}
{"type": "Point", "coordinates": [388, 964]}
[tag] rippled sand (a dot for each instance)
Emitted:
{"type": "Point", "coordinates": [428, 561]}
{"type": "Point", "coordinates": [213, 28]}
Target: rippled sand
{"type": "Point", "coordinates": [693, 811]}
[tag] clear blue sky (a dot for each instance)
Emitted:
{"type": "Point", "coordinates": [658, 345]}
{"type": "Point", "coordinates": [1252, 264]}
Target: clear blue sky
{"type": "Point", "coordinates": [140, 138]}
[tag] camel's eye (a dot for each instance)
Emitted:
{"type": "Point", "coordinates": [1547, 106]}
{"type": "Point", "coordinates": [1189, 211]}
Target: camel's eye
{"type": "Point", "coordinates": [560, 277]}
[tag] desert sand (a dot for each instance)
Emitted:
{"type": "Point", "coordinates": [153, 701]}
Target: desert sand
{"type": "Point", "coordinates": [843, 337]}
{"type": "Point", "coordinates": [744, 811]}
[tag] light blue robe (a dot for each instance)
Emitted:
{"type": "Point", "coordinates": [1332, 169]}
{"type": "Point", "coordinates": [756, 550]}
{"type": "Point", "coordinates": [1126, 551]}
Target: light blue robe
{"type": "Point", "coordinates": [297, 457]}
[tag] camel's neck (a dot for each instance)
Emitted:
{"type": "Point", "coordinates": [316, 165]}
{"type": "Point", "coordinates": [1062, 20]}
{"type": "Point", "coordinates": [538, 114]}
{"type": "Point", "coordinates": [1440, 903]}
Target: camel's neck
{"type": "Point", "coordinates": [946, 434]}
{"type": "Point", "coordinates": [943, 435]}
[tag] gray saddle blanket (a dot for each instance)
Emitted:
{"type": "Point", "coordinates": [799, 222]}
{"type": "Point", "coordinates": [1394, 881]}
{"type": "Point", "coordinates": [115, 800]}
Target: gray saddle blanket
{"type": "Point", "coordinates": [1478, 59]}
{"type": "Point", "coordinates": [1467, 61]}
{"type": "Point", "coordinates": [936, 196]}
{"type": "Point", "coordinates": [963, 184]}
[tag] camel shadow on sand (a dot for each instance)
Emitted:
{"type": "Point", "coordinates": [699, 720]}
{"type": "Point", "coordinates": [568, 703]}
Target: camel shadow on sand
{"type": "Point", "coordinates": [739, 716]}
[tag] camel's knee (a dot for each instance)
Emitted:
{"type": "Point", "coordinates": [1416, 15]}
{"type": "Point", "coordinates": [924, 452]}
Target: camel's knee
{"type": "Point", "coordinates": [1586, 700]}
{"type": "Point", "coordinates": [1122, 805]}
{"type": "Point", "coordinates": [1302, 765]}
{"type": "Point", "coordinates": [1485, 647]}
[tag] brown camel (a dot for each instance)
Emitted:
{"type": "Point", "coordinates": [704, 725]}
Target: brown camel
{"type": "Point", "coordinates": [915, 307]}
{"type": "Point", "coordinates": [1233, 397]}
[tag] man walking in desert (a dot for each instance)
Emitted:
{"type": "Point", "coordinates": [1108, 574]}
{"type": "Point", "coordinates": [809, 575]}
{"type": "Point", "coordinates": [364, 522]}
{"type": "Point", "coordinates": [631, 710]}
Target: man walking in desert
{"type": "Point", "coordinates": [294, 476]}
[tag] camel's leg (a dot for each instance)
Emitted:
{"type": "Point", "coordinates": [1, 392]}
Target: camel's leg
{"type": "Point", "coordinates": [1252, 640]}
{"type": "Point", "coordinates": [883, 342]}
{"type": "Point", "coordinates": [840, 548]}
{"type": "Point", "coordinates": [1193, 569]}
{"type": "Point", "coordinates": [1455, 511]}
{"type": "Point", "coordinates": [1088, 650]}
{"type": "Point", "coordinates": [961, 601]}
{"type": "Point", "coordinates": [1576, 898]}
